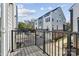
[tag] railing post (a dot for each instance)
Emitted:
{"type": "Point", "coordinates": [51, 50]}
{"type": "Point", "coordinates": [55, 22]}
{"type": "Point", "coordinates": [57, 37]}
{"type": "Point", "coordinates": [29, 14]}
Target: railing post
{"type": "Point", "coordinates": [12, 40]}
{"type": "Point", "coordinates": [35, 37]}
{"type": "Point", "coordinates": [43, 42]}
{"type": "Point", "coordinates": [68, 44]}
{"type": "Point", "coordinates": [52, 43]}
{"type": "Point", "coordinates": [76, 44]}
{"type": "Point", "coordinates": [63, 27]}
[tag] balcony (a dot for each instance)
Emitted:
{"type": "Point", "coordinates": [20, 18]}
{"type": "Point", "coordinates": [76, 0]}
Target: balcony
{"type": "Point", "coordinates": [44, 43]}
{"type": "Point", "coordinates": [28, 51]}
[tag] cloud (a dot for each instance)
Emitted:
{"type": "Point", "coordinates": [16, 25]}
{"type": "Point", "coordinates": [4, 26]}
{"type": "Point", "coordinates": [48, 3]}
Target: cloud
{"type": "Point", "coordinates": [22, 18]}
{"type": "Point", "coordinates": [24, 11]}
{"type": "Point", "coordinates": [20, 6]}
{"type": "Point", "coordinates": [49, 8]}
{"type": "Point", "coordinates": [25, 14]}
{"type": "Point", "coordinates": [42, 8]}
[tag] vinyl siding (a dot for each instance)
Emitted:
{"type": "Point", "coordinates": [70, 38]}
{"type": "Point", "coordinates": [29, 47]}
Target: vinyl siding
{"type": "Point", "coordinates": [75, 16]}
{"type": "Point", "coordinates": [9, 23]}
{"type": "Point", "coordinates": [57, 14]}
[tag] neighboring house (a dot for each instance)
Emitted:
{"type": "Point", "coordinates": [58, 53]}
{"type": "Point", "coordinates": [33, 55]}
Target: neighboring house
{"type": "Point", "coordinates": [32, 22]}
{"type": "Point", "coordinates": [36, 24]}
{"type": "Point", "coordinates": [52, 20]}
{"type": "Point", "coordinates": [40, 22]}
{"type": "Point", "coordinates": [74, 20]}
{"type": "Point", "coordinates": [8, 23]}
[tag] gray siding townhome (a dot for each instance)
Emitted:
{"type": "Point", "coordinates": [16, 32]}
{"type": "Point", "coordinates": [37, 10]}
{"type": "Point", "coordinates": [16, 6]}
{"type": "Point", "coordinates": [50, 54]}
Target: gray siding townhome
{"type": "Point", "coordinates": [8, 23]}
{"type": "Point", "coordinates": [74, 20]}
{"type": "Point", "coordinates": [35, 24]}
{"type": "Point", "coordinates": [52, 20]}
{"type": "Point", "coordinates": [40, 22]}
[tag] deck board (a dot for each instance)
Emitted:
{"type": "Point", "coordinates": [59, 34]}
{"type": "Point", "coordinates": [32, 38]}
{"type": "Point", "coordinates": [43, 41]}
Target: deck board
{"type": "Point", "coordinates": [28, 51]}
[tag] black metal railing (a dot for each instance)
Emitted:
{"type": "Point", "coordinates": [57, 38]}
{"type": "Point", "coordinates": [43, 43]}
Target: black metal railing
{"type": "Point", "coordinates": [53, 43]}
{"type": "Point", "coordinates": [22, 38]}
{"type": "Point", "coordinates": [58, 43]}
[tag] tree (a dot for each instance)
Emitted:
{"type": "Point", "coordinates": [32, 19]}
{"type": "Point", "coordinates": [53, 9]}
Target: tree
{"type": "Point", "coordinates": [29, 26]}
{"type": "Point", "coordinates": [22, 25]}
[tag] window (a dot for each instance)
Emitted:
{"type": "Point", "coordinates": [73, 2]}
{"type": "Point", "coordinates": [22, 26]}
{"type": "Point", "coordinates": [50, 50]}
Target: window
{"type": "Point", "coordinates": [78, 18]}
{"type": "Point", "coordinates": [57, 27]}
{"type": "Point", "coordinates": [52, 19]}
{"type": "Point", "coordinates": [40, 22]}
{"type": "Point", "coordinates": [57, 20]}
{"type": "Point", "coordinates": [59, 14]}
{"type": "Point", "coordinates": [36, 27]}
{"type": "Point", "coordinates": [47, 14]}
{"type": "Point", "coordinates": [10, 3]}
{"type": "Point", "coordinates": [47, 28]}
{"type": "Point", "coordinates": [47, 19]}
{"type": "Point", "coordinates": [60, 20]}
{"type": "Point", "coordinates": [36, 23]}
{"type": "Point", "coordinates": [52, 27]}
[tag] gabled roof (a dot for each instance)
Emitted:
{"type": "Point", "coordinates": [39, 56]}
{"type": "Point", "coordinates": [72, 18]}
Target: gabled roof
{"type": "Point", "coordinates": [74, 5]}
{"type": "Point", "coordinates": [49, 12]}
{"type": "Point", "coordinates": [71, 7]}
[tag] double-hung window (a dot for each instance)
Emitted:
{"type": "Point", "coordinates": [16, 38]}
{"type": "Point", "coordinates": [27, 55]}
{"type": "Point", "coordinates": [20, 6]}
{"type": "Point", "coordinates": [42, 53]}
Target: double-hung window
{"type": "Point", "coordinates": [47, 19]}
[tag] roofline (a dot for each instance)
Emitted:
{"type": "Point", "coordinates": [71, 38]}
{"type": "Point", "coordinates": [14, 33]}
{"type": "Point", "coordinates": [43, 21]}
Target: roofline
{"type": "Point", "coordinates": [48, 12]}
{"type": "Point", "coordinates": [71, 7]}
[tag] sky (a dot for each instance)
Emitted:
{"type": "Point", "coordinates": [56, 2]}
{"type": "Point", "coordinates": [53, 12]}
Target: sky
{"type": "Point", "coordinates": [28, 11]}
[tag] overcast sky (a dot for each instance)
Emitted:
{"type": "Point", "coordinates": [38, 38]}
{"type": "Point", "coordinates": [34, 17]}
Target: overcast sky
{"type": "Point", "coordinates": [28, 11]}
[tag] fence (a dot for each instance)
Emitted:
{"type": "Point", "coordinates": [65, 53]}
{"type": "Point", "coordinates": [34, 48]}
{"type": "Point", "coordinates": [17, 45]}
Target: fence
{"type": "Point", "coordinates": [53, 43]}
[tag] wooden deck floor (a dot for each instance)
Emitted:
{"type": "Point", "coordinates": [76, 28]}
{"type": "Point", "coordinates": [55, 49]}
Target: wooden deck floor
{"type": "Point", "coordinates": [28, 51]}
